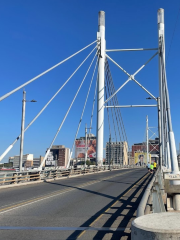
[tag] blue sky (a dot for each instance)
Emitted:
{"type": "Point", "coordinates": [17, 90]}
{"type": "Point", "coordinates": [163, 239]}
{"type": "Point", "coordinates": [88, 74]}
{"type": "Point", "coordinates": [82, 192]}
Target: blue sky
{"type": "Point", "coordinates": [35, 35]}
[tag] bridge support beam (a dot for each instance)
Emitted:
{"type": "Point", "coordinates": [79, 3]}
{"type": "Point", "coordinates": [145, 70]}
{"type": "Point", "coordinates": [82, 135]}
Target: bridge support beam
{"type": "Point", "coordinates": [160, 36]}
{"type": "Point", "coordinates": [160, 137]}
{"type": "Point", "coordinates": [164, 99]}
{"type": "Point", "coordinates": [100, 88]}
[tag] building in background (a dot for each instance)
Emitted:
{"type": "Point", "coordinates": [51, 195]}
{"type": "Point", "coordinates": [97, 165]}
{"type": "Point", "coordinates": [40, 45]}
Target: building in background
{"type": "Point", "coordinates": [27, 161]}
{"type": "Point", "coordinates": [58, 156]}
{"type": "Point", "coordinates": [11, 159]}
{"type": "Point", "coordinates": [153, 149]}
{"type": "Point", "coordinates": [37, 162]}
{"type": "Point", "coordinates": [80, 147]}
{"type": "Point", "coordinates": [131, 159]}
{"type": "Point", "coordinates": [117, 153]}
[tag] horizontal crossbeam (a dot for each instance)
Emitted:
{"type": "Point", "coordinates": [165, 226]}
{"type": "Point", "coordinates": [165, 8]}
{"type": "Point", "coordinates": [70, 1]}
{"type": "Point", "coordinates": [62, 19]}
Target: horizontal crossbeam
{"type": "Point", "coordinates": [130, 106]}
{"type": "Point", "coordinates": [133, 49]}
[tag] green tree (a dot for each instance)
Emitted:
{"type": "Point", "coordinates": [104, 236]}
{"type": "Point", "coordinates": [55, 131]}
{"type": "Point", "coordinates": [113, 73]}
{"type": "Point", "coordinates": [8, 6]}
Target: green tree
{"type": "Point", "coordinates": [88, 163]}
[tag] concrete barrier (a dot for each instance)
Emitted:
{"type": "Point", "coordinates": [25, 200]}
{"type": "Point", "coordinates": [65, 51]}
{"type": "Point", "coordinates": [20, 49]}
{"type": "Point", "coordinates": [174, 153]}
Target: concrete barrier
{"type": "Point", "coordinates": [156, 226]}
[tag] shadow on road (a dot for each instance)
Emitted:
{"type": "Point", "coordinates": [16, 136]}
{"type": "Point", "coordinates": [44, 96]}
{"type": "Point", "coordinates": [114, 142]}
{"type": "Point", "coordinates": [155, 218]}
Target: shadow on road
{"type": "Point", "coordinates": [127, 205]}
{"type": "Point", "coordinates": [91, 180]}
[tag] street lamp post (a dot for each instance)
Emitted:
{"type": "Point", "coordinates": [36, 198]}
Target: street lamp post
{"type": "Point", "coordinates": [86, 145]}
{"type": "Point", "coordinates": [109, 152]}
{"type": "Point", "coordinates": [22, 129]}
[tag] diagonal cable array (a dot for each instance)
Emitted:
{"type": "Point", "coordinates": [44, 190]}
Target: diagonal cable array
{"type": "Point", "coordinates": [82, 112]}
{"type": "Point", "coordinates": [46, 105]}
{"type": "Point", "coordinates": [94, 99]}
{"type": "Point", "coordinates": [106, 97]}
{"type": "Point", "coordinates": [47, 153]}
{"type": "Point", "coordinates": [113, 113]}
{"type": "Point", "coordinates": [43, 73]}
{"type": "Point", "coordinates": [117, 112]}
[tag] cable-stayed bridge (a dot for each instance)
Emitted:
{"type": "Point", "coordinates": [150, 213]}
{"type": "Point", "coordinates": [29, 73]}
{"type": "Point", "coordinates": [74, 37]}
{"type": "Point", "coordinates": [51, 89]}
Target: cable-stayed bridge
{"type": "Point", "coordinates": [99, 202]}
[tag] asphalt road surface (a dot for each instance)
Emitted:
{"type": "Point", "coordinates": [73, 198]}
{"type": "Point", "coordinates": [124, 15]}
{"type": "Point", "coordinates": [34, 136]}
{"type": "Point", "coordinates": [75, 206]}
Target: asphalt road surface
{"type": "Point", "coordinates": [94, 206]}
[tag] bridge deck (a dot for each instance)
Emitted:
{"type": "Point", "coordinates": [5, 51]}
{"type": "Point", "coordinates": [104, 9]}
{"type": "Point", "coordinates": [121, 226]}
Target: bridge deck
{"type": "Point", "coordinates": [71, 208]}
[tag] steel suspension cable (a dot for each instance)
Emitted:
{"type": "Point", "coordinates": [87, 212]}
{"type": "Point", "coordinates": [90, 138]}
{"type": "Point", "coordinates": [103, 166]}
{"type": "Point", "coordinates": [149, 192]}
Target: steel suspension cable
{"type": "Point", "coordinates": [41, 111]}
{"type": "Point", "coordinates": [111, 110]}
{"type": "Point", "coordinates": [94, 99]}
{"type": "Point", "coordinates": [115, 111]}
{"type": "Point", "coordinates": [109, 124]}
{"type": "Point", "coordinates": [113, 99]}
{"type": "Point", "coordinates": [165, 126]}
{"type": "Point", "coordinates": [108, 111]}
{"type": "Point", "coordinates": [43, 73]}
{"type": "Point", "coordinates": [84, 108]}
{"type": "Point", "coordinates": [121, 120]}
{"type": "Point", "coordinates": [47, 153]}
{"type": "Point", "coordinates": [118, 110]}
{"type": "Point", "coordinates": [117, 102]}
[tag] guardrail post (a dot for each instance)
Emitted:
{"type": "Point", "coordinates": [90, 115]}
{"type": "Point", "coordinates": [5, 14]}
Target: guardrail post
{"type": "Point", "coordinates": [4, 179]}
{"type": "Point", "coordinates": [15, 178]}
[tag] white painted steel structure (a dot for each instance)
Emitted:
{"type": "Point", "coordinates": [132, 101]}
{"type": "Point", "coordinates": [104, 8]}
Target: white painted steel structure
{"type": "Point", "coordinates": [100, 89]}
{"type": "Point", "coordinates": [130, 106]}
{"type": "Point", "coordinates": [164, 101]}
{"type": "Point", "coordinates": [168, 156]}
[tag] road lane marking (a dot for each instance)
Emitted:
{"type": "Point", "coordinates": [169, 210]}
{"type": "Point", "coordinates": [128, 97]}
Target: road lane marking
{"type": "Point", "coordinates": [25, 203]}
{"type": "Point", "coordinates": [80, 235]}
{"type": "Point", "coordinates": [63, 228]}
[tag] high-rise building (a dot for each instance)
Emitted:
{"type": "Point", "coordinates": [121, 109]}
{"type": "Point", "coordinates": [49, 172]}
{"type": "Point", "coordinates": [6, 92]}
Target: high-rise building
{"type": "Point", "coordinates": [58, 156]}
{"type": "Point", "coordinates": [117, 153]}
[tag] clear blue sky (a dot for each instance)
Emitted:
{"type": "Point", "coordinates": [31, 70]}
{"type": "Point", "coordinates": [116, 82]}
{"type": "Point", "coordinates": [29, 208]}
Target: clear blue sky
{"type": "Point", "coordinates": [35, 35]}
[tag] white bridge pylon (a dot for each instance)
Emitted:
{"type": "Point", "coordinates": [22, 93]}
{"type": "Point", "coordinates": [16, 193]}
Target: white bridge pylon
{"type": "Point", "coordinates": [166, 134]}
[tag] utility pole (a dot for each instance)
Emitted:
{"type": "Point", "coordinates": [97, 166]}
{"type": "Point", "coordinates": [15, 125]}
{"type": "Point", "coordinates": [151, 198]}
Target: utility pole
{"type": "Point", "coordinates": [109, 160]}
{"type": "Point", "coordinates": [86, 143]}
{"type": "Point", "coordinates": [100, 88]}
{"type": "Point", "coordinates": [85, 146]}
{"type": "Point", "coordinates": [22, 131]}
{"type": "Point", "coordinates": [147, 139]}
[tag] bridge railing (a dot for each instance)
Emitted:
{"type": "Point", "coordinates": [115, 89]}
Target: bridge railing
{"type": "Point", "coordinates": [44, 175]}
{"type": "Point", "coordinates": [153, 200]}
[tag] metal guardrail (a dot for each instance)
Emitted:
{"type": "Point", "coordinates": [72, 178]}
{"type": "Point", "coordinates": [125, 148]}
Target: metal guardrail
{"type": "Point", "coordinates": [35, 175]}
{"type": "Point", "coordinates": [152, 200]}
